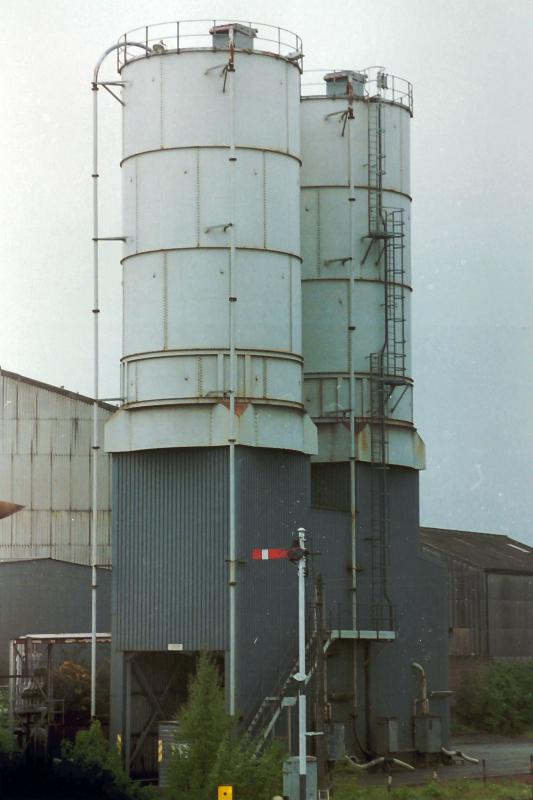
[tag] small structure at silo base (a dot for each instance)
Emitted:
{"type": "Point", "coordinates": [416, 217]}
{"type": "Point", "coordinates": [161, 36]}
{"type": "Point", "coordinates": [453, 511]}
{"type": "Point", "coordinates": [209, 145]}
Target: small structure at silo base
{"type": "Point", "coordinates": [36, 714]}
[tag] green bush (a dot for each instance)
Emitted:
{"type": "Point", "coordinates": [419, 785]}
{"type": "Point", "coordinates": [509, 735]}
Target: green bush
{"type": "Point", "coordinates": [7, 742]}
{"type": "Point", "coordinates": [92, 763]}
{"type": "Point", "coordinates": [499, 700]}
{"type": "Point", "coordinates": [210, 752]}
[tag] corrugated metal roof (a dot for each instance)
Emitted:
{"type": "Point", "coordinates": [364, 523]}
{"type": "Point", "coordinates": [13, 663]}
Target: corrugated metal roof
{"type": "Point", "coordinates": [488, 551]}
{"type": "Point", "coordinates": [59, 389]}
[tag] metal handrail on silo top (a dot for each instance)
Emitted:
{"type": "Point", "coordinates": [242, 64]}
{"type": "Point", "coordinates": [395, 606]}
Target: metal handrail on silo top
{"type": "Point", "coordinates": [175, 36]}
{"type": "Point", "coordinates": [390, 88]}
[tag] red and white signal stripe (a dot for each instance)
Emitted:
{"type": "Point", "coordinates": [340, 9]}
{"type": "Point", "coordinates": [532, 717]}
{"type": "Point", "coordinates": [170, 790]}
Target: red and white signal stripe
{"type": "Point", "coordinates": [265, 554]}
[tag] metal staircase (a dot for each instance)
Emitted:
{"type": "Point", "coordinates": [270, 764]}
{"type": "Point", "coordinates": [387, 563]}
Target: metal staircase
{"type": "Point", "coordinates": [270, 708]}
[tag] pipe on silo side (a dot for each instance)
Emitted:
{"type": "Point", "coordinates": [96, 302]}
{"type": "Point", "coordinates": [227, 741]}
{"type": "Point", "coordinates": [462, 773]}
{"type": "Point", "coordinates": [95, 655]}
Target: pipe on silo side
{"type": "Point", "coordinates": [232, 566]}
{"type": "Point", "coordinates": [351, 361]}
{"type": "Point", "coordinates": [95, 444]}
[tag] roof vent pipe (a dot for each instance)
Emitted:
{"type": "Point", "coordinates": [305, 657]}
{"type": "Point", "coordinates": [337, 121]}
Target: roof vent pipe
{"type": "Point", "coordinates": [337, 83]}
{"type": "Point", "coordinates": [243, 36]}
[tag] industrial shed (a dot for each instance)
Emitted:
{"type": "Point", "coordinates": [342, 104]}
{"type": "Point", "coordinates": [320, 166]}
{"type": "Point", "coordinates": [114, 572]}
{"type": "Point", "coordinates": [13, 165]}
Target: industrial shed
{"type": "Point", "coordinates": [490, 579]}
{"type": "Point", "coordinates": [45, 456]}
{"type": "Point", "coordinates": [43, 595]}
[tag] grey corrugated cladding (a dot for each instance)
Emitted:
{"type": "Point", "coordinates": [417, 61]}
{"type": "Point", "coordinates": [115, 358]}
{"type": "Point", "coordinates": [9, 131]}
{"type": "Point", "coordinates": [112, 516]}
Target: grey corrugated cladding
{"type": "Point", "coordinates": [417, 586]}
{"type": "Point", "coordinates": [48, 596]}
{"type": "Point", "coordinates": [171, 536]}
{"type": "Point", "coordinates": [273, 501]}
{"type": "Point", "coordinates": [510, 613]}
{"type": "Point", "coordinates": [170, 546]}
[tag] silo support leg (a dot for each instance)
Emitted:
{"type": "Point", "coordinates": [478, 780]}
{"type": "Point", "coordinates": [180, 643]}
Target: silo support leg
{"type": "Point", "coordinates": [157, 704]}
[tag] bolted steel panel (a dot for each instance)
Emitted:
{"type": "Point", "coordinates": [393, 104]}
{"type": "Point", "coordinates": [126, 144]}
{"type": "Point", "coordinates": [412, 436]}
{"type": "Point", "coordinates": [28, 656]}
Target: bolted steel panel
{"type": "Point", "coordinates": [211, 209]}
{"type": "Point", "coordinates": [343, 271]}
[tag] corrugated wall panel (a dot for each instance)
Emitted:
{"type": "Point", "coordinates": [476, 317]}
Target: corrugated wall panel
{"type": "Point", "coordinates": [45, 452]}
{"type": "Point", "coordinates": [44, 436]}
{"type": "Point", "coordinates": [42, 525]}
{"type": "Point", "coordinates": [9, 398]}
{"type": "Point", "coordinates": [22, 527]}
{"type": "Point", "coordinates": [6, 527]}
{"type": "Point", "coordinates": [273, 500]}
{"type": "Point", "coordinates": [60, 482]}
{"type": "Point", "coordinates": [26, 401]}
{"type": "Point", "coordinates": [9, 433]}
{"type": "Point", "coordinates": [26, 436]}
{"type": "Point", "coordinates": [6, 475]}
{"type": "Point", "coordinates": [330, 486]}
{"type": "Point", "coordinates": [80, 482]}
{"type": "Point", "coordinates": [510, 605]}
{"type": "Point", "coordinates": [21, 466]}
{"type": "Point", "coordinates": [61, 437]}
{"type": "Point", "coordinates": [417, 587]}
{"type": "Point", "coordinates": [48, 597]}
{"type": "Point", "coordinates": [41, 487]}
{"type": "Point", "coordinates": [170, 548]}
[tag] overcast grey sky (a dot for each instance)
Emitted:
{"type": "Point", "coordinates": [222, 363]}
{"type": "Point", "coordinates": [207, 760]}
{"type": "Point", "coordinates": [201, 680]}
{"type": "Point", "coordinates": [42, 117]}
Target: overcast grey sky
{"type": "Point", "coordinates": [472, 155]}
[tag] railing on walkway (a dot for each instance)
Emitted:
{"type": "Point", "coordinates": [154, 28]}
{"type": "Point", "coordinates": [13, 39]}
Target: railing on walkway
{"type": "Point", "coordinates": [173, 37]}
{"type": "Point", "coordinates": [376, 83]}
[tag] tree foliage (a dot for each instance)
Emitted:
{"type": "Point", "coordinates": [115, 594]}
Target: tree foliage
{"type": "Point", "coordinates": [92, 763]}
{"type": "Point", "coordinates": [72, 683]}
{"type": "Point", "coordinates": [499, 700]}
{"type": "Point", "coordinates": [209, 751]}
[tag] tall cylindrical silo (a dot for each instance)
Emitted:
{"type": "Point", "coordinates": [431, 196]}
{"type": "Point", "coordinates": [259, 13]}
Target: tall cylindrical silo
{"type": "Point", "coordinates": [212, 426]}
{"type": "Point", "coordinates": [355, 224]}
{"type": "Point", "coordinates": [355, 219]}
{"type": "Point", "coordinates": [356, 291]}
{"type": "Point", "coordinates": [211, 266]}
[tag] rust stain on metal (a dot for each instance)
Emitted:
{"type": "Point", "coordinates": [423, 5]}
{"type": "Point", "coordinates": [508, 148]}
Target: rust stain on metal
{"type": "Point", "coordinates": [6, 508]}
{"type": "Point", "coordinates": [240, 408]}
{"type": "Point", "coordinates": [362, 437]}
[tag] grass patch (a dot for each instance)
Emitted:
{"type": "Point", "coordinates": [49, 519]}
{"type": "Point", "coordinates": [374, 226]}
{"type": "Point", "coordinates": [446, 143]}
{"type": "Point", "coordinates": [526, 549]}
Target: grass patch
{"type": "Point", "coordinates": [347, 789]}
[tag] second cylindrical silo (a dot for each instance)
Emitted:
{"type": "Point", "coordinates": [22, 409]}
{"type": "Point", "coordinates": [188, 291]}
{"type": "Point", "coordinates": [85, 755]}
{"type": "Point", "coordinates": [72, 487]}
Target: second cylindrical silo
{"type": "Point", "coordinates": [355, 222]}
